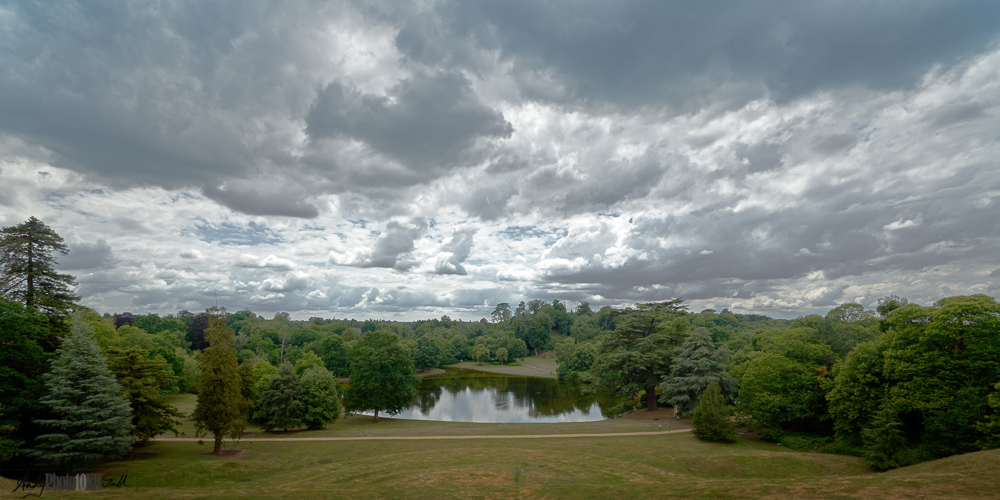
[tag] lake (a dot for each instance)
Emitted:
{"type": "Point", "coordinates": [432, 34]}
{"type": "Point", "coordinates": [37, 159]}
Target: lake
{"type": "Point", "coordinates": [470, 396]}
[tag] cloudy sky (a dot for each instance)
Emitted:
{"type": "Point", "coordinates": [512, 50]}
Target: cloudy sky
{"type": "Point", "coordinates": [412, 159]}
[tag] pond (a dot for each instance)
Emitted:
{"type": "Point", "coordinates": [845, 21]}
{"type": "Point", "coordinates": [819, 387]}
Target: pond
{"type": "Point", "coordinates": [470, 396]}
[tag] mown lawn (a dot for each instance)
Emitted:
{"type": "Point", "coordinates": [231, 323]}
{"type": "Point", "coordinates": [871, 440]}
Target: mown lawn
{"type": "Point", "coordinates": [668, 465]}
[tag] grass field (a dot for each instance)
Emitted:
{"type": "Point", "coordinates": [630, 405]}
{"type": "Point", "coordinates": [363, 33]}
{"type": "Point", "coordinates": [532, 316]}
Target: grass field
{"type": "Point", "coordinates": [662, 465]}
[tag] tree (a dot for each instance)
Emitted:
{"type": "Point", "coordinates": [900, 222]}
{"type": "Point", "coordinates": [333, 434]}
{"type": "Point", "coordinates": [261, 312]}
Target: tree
{"type": "Point", "coordinates": [334, 353]}
{"type": "Point", "coordinates": [883, 438]}
{"type": "Point", "coordinates": [711, 420]}
{"type": "Point", "coordinates": [428, 354]}
{"type": "Point", "coordinates": [221, 410]}
{"type": "Point", "coordinates": [501, 355]}
{"type": "Point", "coordinates": [22, 363]}
{"type": "Point", "coordinates": [501, 313]}
{"type": "Point", "coordinates": [321, 397]}
{"type": "Point", "coordinates": [990, 427]}
{"type": "Point", "coordinates": [697, 365]}
{"type": "Point", "coordinates": [382, 378]}
{"type": "Point", "coordinates": [281, 404]}
{"type": "Point", "coordinates": [481, 353]}
{"type": "Point", "coordinates": [91, 418]}
{"type": "Point", "coordinates": [142, 379]}
{"type": "Point", "coordinates": [26, 268]}
{"type": "Point", "coordinates": [307, 361]}
{"type": "Point", "coordinates": [634, 356]}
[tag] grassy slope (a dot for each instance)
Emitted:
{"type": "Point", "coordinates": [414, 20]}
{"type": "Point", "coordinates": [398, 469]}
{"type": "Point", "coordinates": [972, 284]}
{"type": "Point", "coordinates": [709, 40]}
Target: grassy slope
{"type": "Point", "coordinates": [677, 466]}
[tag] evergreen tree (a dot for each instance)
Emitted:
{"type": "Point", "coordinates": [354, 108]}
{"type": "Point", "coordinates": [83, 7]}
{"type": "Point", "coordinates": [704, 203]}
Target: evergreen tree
{"type": "Point", "coordinates": [883, 438]}
{"type": "Point", "coordinates": [221, 408]}
{"type": "Point", "coordinates": [22, 363]}
{"type": "Point", "coordinates": [143, 378]}
{"type": "Point", "coordinates": [281, 404]}
{"type": "Point", "coordinates": [92, 419]}
{"type": "Point", "coordinates": [696, 365]}
{"type": "Point", "coordinates": [27, 271]}
{"type": "Point", "coordinates": [321, 397]}
{"type": "Point", "coordinates": [382, 378]}
{"type": "Point", "coordinates": [711, 420]}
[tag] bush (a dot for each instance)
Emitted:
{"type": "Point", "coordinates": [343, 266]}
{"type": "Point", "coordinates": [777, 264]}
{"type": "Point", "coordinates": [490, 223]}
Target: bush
{"type": "Point", "coordinates": [711, 421]}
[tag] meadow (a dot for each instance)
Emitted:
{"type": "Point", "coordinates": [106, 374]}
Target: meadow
{"type": "Point", "coordinates": [675, 465]}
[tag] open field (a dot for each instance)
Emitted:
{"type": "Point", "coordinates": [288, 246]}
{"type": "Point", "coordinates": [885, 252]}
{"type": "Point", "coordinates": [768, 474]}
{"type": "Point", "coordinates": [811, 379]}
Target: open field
{"type": "Point", "coordinates": [668, 465]}
{"type": "Point", "coordinates": [530, 367]}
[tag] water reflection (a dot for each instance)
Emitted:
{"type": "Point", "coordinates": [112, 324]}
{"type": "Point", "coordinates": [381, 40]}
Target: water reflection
{"type": "Point", "coordinates": [467, 396]}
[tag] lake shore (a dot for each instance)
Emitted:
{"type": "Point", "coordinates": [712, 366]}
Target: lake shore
{"type": "Point", "coordinates": [529, 367]}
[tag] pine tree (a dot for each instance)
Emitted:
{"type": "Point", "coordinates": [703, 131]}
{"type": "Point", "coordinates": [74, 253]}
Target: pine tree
{"type": "Point", "coordinates": [143, 378]}
{"type": "Point", "coordinates": [696, 365]}
{"type": "Point", "coordinates": [320, 396]}
{"type": "Point", "coordinates": [221, 410]}
{"type": "Point", "coordinates": [711, 420]}
{"type": "Point", "coordinates": [281, 404]}
{"type": "Point", "coordinates": [92, 418]}
{"type": "Point", "coordinates": [883, 438]}
{"type": "Point", "coordinates": [26, 268]}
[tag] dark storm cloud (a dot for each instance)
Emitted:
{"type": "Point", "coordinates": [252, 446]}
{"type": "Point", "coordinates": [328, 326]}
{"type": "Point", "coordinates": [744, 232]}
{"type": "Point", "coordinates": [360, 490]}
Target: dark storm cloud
{"type": "Point", "coordinates": [259, 202]}
{"type": "Point", "coordinates": [84, 255]}
{"type": "Point", "coordinates": [695, 54]}
{"type": "Point", "coordinates": [426, 121]}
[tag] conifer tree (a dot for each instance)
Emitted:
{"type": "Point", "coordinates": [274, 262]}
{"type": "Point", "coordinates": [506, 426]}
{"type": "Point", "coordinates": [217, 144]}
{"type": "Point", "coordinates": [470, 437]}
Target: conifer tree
{"type": "Point", "coordinates": [92, 419]}
{"type": "Point", "coordinates": [696, 365]}
{"type": "Point", "coordinates": [27, 271]}
{"type": "Point", "coordinates": [281, 404]}
{"type": "Point", "coordinates": [711, 420]}
{"type": "Point", "coordinates": [143, 378]}
{"type": "Point", "coordinates": [221, 408]}
{"type": "Point", "coordinates": [883, 438]}
{"type": "Point", "coordinates": [320, 396]}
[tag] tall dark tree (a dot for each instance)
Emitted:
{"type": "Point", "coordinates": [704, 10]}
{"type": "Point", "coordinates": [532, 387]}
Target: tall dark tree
{"type": "Point", "coordinates": [222, 409]}
{"type": "Point", "coordinates": [27, 271]}
{"type": "Point", "coordinates": [884, 438]}
{"type": "Point", "coordinates": [91, 418]}
{"type": "Point", "coordinates": [281, 405]}
{"type": "Point", "coordinates": [634, 356]}
{"type": "Point", "coordinates": [142, 379]}
{"type": "Point", "coordinates": [22, 363]}
{"type": "Point", "coordinates": [697, 364]}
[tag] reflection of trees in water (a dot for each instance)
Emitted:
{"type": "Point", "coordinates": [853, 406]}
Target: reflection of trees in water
{"type": "Point", "coordinates": [541, 397]}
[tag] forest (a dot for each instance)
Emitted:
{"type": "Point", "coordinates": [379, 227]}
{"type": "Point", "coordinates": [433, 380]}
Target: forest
{"type": "Point", "coordinates": [898, 384]}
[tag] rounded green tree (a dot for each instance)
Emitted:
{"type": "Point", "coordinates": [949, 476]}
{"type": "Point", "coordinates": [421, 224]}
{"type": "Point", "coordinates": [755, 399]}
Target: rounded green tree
{"type": "Point", "coordinates": [382, 379]}
{"type": "Point", "coordinates": [321, 397]}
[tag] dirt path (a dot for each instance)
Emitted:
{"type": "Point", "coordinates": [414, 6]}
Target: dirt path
{"type": "Point", "coordinates": [390, 438]}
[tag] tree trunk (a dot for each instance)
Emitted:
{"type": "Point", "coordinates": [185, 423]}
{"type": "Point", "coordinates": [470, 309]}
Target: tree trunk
{"type": "Point", "coordinates": [218, 444]}
{"type": "Point", "coordinates": [651, 398]}
{"type": "Point", "coordinates": [376, 416]}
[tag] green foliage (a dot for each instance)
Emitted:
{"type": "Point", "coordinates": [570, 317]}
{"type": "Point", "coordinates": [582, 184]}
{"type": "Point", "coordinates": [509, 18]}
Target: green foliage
{"type": "Point", "coordinates": [634, 356]}
{"type": "Point", "coordinates": [8, 447]}
{"type": "Point", "coordinates": [858, 386]}
{"type": "Point", "coordinates": [884, 439]}
{"type": "Point", "coordinates": [335, 356]}
{"type": "Point", "coordinates": [142, 379]}
{"type": "Point", "coordinates": [222, 409]}
{"type": "Point", "coordinates": [481, 353]}
{"type": "Point", "coordinates": [321, 397]}
{"type": "Point", "coordinates": [697, 365]}
{"type": "Point", "coordinates": [382, 378]}
{"type": "Point", "coordinates": [778, 392]}
{"type": "Point", "coordinates": [22, 363]}
{"type": "Point", "coordinates": [91, 418]}
{"type": "Point", "coordinates": [990, 426]}
{"type": "Point", "coordinates": [712, 420]}
{"type": "Point", "coordinates": [308, 360]}
{"type": "Point", "coordinates": [501, 355]}
{"type": "Point", "coordinates": [942, 361]}
{"type": "Point", "coordinates": [281, 405]}
{"type": "Point", "coordinates": [262, 374]}
{"type": "Point", "coordinates": [428, 355]}
{"type": "Point", "coordinates": [27, 268]}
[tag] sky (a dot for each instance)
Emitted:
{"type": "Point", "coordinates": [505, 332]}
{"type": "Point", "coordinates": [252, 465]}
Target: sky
{"type": "Point", "coordinates": [407, 160]}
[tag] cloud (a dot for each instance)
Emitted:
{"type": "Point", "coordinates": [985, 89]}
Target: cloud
{"type": "Point", "coordinates": [454, 252]}
{"type": "Point", "coordinates": [391, 249]}
{"type": "Point", "coordinates": [422, 122]}
{"type": "Point", "coordinates": [270, 262]}
{"type": "Point", "coordinates": [97, 255]}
